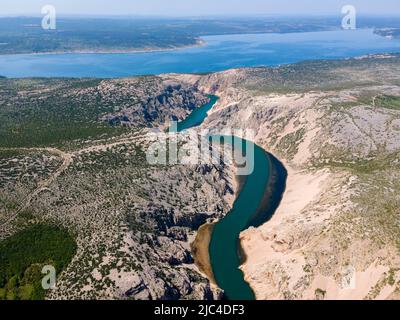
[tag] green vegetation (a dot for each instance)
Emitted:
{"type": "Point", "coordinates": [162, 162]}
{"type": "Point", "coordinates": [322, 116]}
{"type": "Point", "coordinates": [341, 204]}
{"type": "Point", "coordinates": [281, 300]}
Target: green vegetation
{"type": "Point", "coordinates": [53, 113]}
{"type": "Point", "coordinates": [320, 75]}
{"type": "Point", "coordinates": [320, 294]}
{"type": "Point", "coordinates": [370, 98]}
{"type": "Point", "coordinates": [377, 163]}
{"type": "Point", "coordinates": [388, 102]}
{"type": "Point", "coordinates": [23, 255]}
{"type": "Point", "coordinates": [307, 268]}
{"type": "Point", "coordinates": [389, 278]}
{"type": "Point", "coordinates": [24, 34]}
{"type": "Point", "coordinates": [70, 113]}
{"type": "Point", "coordinates": [289, 144]}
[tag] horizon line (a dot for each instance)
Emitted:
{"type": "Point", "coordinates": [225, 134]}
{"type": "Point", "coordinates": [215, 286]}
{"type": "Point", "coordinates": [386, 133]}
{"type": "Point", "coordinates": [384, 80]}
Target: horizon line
{"type": "Point", "coordinates": [266, 15]}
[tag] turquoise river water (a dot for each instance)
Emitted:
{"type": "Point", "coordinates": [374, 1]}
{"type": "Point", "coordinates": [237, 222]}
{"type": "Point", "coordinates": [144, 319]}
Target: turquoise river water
{"type": "Point", "coordinates": [252, 207]}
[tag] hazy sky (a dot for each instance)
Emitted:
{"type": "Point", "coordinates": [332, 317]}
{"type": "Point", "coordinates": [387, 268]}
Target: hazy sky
{"type": "Point", "coordinates": [197, 7]}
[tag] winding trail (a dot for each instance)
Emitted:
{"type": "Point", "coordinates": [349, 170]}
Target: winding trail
{"type": "Point", "coordinates": [42, 185]}
{"type": "Point", "coordinates": [67, 159]}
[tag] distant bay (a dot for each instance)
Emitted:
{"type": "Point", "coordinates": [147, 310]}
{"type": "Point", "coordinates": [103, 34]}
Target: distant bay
{"type": "Point", "coordinates": [220, 53]}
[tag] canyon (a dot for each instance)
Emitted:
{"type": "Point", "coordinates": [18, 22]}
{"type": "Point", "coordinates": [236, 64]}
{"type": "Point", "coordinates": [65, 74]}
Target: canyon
{"type": "Point", "coordinates": [335, 126]}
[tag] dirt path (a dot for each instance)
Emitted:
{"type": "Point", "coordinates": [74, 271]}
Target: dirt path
{"type": "Point", "coordinates": [67, 161]}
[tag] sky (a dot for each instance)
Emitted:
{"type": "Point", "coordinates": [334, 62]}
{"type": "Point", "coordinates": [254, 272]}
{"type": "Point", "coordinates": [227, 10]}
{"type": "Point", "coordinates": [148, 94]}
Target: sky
{"type": "Point", "coordinates": [198, 7]}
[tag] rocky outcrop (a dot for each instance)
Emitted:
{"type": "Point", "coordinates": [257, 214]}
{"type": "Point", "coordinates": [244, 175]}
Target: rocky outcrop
{"type": "Point", "coordinates": [167, 101]}
{"type": "Point", "coordinates": [134, 222]}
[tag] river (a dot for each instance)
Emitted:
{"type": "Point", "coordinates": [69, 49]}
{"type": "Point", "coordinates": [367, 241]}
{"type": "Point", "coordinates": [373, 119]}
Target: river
{"type": "Point", "coordinates": [259, 196]}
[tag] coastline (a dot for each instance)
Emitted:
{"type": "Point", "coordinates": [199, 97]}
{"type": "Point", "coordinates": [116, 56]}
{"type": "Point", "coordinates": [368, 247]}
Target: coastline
{"type": "Point", "coordinates": [199, 43]}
